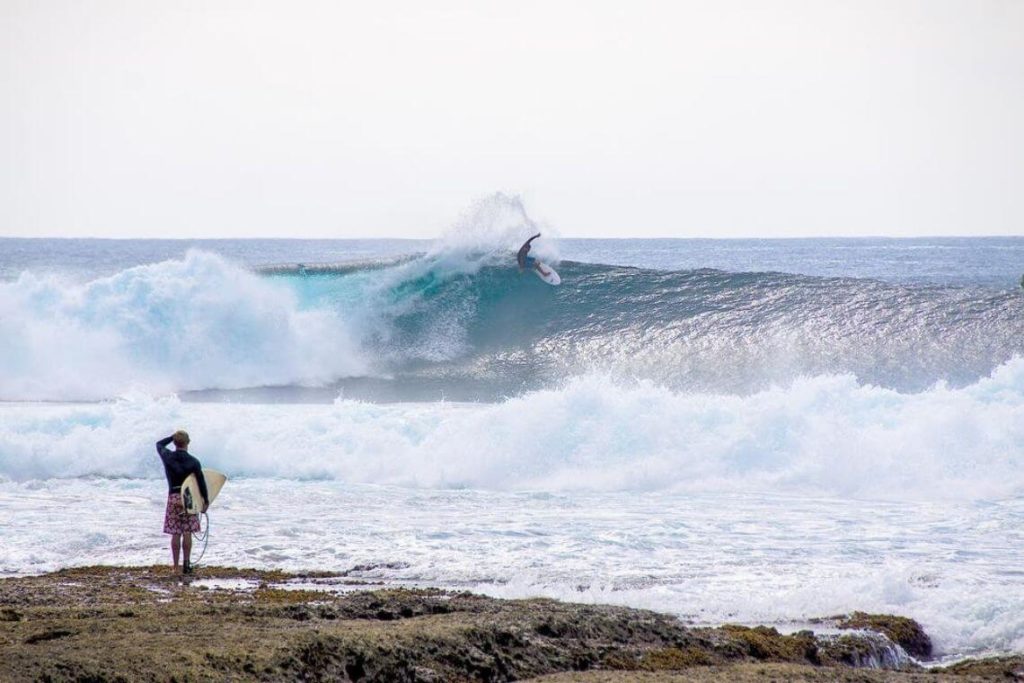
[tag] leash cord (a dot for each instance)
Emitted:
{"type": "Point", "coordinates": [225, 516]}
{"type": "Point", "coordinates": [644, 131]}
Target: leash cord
{"type": "Point", "coordinates": [204, 536]}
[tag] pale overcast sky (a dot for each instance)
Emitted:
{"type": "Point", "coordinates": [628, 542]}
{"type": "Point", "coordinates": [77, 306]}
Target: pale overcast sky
{"type": "Point", "coordinates": [146, 118]}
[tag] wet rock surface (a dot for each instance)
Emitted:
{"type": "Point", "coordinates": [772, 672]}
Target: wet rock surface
{"type": "Point", "coordinates": [142, 623]}
{"type": "Point", "coordinates": [906, 633]}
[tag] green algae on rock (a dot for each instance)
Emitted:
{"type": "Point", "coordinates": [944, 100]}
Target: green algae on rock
{"type": "Point", "coordinates": [905, 632]}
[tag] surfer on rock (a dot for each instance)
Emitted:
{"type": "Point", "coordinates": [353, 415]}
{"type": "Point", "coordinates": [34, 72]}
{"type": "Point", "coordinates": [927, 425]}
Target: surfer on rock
{"type": "Point", "coordinates": [178, 465]}
{"type": "Point", "coordinates": [526, 261]}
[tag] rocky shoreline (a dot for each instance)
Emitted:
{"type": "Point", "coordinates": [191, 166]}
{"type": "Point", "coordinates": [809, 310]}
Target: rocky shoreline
{"type": "Point", "coordinates": [142, 623]}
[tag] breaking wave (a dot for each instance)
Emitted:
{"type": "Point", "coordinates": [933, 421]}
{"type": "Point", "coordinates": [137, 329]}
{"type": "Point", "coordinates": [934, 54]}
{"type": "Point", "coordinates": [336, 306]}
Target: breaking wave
{"type": "Point", "coordinates": [205, 323]}
{"type": "Point", "coordinates": [462, 316]}
{"type": "Point", "coordinates": [195, 323]}
{"type": "Point", "coordinates": [827, 435]}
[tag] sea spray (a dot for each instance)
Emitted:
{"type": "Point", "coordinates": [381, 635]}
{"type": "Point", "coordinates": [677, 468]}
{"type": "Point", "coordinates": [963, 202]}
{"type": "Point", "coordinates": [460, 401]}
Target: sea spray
{"type": "Point", "coordinates": [195, 323]}
{"type": "Point", "coordinates": [492, 230]}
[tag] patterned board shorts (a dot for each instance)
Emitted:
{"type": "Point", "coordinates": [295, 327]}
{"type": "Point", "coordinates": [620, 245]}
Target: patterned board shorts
{"type": "Point", "coordinates": [175, 519]}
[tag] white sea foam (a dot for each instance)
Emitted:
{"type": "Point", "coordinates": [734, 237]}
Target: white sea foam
{"type": "Point", "coordinates": [711, 558]}
{"type": "Point", "coordinates": [195, 323]}
{"type": "Point", "coordinates": [822, 435]}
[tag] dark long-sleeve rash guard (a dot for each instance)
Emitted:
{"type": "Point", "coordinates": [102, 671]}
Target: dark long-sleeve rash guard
{"type": "Point", "coordinates": [178, 465]}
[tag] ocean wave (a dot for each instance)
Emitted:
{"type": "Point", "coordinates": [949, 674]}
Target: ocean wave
{"type": "Point", "coordinates": [826, 435]}
{"type": "Point", "coordinates": [462, 315]}
{"type": "Point", "coordinates": [194, 323]}
{"type": "Point", "coordinates": [470, 317]}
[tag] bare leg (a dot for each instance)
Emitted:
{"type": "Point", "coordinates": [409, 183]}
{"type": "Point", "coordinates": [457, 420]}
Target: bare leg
{"type": "Point", "coordinates": [175, 549]}
{"type": "Point", "coordinates": [187, 547]}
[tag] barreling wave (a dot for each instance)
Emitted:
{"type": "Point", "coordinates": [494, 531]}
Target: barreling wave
{"type": "Point", "coordinates": [465, 317]}
{"type": "Point", "coordinates": [703, 330]}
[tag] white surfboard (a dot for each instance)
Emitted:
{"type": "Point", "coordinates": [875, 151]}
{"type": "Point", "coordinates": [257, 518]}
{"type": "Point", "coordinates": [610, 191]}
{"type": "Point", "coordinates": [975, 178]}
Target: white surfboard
{"type": "Point", "coordinates": [191, 499]}
{"type": "Point", "coordinates": [549, 275]}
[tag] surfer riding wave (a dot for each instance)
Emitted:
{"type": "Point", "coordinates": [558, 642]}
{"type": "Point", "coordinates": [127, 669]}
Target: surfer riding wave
{"type": "Point", "coordinates": [526, 261]}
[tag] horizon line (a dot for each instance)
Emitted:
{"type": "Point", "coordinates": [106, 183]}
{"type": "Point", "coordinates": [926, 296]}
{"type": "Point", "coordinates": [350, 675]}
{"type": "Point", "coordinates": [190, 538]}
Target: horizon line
{"type": "Point", "coordinates": [562, 237]}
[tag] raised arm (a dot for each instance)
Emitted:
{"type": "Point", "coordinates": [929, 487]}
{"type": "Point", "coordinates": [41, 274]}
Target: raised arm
{"type": "Point", "coordinates": [523, 250]}
{"type": "Point", "coordinates": [161, 447]}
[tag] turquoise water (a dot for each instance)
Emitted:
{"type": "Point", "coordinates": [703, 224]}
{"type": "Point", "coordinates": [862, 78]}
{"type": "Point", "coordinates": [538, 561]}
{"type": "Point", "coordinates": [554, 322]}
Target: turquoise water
{"type": "Point", "coordinates": [395, 320]}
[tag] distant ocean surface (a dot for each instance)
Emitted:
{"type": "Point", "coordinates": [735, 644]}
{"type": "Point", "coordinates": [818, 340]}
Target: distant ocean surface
{"type": "Point", "coordinates": [732, 430]}
{"type": "Point", "coordinates": [988, 261]}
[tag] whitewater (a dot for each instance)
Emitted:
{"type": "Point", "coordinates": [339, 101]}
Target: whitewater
{"type": "Point", "coordinates": [749, 431]}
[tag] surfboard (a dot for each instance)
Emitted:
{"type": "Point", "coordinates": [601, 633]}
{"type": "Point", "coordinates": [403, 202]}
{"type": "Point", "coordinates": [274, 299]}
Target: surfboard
{"type": "Point", "coordinates": [191, 499]}
{"type": "Point", "coordinates": [551, 277]}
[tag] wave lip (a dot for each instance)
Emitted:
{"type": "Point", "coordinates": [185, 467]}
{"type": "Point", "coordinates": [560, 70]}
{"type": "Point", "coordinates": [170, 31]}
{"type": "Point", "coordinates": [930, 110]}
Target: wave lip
{"type": "Point", "coordinates": [339, 268]}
